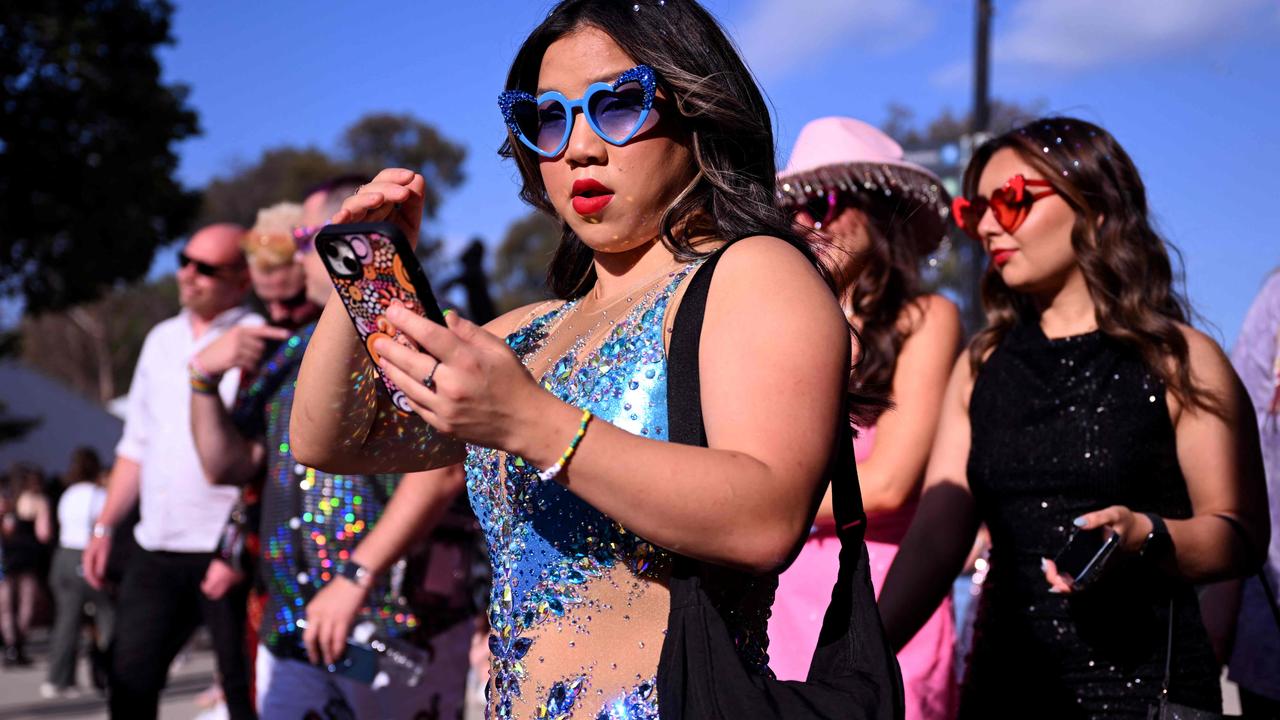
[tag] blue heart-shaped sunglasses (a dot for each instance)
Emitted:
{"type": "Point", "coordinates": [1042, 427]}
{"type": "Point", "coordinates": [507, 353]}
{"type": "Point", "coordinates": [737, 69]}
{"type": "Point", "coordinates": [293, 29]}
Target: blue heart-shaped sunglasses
{"type": "Point", "coordinates": [615, 112]}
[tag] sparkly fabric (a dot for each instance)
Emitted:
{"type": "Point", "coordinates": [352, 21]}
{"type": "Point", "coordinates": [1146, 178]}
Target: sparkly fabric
{"type": "Point", "coordinates": [311, 520]}
{"type": "Point", "coordinates": [579, 605]}
{"type": "Point", "coordinates": [1060, 428]}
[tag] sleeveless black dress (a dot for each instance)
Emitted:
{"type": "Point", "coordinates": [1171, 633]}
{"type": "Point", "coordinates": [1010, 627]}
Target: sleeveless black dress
{"type": "Point", "coordinates": [1060, 428]}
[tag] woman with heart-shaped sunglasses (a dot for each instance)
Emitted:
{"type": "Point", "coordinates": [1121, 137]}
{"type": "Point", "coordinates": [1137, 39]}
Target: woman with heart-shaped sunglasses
{"type": "Point", "coordinates": [639, 128]}
{"type": "Point", "coordinates": [1087, 414]}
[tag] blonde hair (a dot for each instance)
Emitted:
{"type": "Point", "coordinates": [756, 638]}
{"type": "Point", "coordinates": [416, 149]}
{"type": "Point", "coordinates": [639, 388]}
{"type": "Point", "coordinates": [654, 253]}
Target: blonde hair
{"type": "Point", "coordinates": [269, 243]}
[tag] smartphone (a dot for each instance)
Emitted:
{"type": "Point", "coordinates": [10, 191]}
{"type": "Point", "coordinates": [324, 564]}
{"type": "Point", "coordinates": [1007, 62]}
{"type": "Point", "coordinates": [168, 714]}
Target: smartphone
{"type": "Point", "coordinates": [1085, 554]}
{"type": "Point", "coordinates": [372, 265]}
{"type": "Point", "coordinates": [358, 662]}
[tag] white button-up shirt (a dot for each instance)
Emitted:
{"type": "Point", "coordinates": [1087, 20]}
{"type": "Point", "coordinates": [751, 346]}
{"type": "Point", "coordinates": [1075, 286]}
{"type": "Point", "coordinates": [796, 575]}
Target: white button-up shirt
{"type": "Point", "coordinates": [181, 511]}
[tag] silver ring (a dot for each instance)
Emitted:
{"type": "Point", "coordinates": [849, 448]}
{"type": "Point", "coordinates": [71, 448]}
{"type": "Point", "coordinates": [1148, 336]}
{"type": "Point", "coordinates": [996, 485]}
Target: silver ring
{"type": "Point", "coordinates": [429, 381]}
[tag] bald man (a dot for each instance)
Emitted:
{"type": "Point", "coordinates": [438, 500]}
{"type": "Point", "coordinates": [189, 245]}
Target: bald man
{"type": "Point", "coordinates": [160, 602]}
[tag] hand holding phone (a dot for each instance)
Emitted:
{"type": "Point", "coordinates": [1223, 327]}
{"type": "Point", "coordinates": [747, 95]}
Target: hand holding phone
{"type": "Point", "coordinates": [372, 266]}
{"type": "Point", "coordinates": [1082, 560]}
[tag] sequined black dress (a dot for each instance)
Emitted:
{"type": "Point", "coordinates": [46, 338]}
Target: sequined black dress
{"type": "Point", "coordinates": [1059, 428]}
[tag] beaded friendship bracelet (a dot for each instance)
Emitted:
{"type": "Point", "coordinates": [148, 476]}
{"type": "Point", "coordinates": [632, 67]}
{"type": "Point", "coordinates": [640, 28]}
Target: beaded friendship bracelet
{"type": "Point", "coordinates": [202, 381]}
{"type": "Point", "coordinates": [551, 472]}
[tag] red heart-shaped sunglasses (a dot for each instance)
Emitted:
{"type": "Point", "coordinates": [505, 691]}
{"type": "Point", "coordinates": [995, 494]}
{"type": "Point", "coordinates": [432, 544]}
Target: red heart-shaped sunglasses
{"type": "Point", "coordinates": [1009, 204]}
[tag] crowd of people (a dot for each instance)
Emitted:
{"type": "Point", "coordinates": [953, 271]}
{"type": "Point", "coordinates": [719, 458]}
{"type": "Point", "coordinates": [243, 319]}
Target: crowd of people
{"type": "Point", "coordinates": [731, 469]}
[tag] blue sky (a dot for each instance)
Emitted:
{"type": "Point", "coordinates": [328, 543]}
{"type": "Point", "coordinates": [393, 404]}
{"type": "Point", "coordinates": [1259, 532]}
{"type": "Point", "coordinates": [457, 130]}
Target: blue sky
{"type": "Point", "coordinates": [1183, 84]}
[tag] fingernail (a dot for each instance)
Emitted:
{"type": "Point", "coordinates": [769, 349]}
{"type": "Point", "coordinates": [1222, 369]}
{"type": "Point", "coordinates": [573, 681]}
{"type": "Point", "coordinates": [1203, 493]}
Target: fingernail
{"type": "Point", "coordinates": [1078, 522]}
{"type": "Point", "coordinates": [448, 312]}
{"type": "Point", "coordinates": [1044, 564]}
{"type": "Point", "coordinates": [1055, 591]}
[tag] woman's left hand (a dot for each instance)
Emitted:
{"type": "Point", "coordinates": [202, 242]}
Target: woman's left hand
{"type": "Point", "coordinates": [1132, 529]}
{"type": "Point", "coordinates": [479, 390]}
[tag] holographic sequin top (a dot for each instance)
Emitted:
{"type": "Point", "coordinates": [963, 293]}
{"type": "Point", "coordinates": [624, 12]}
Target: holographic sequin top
{"type": "Point", "coordinates": [578, 610]}
{"type": "Point", "coordinates": [311, 520]}
{"type": "Point", "coordinates": [1060, 428]}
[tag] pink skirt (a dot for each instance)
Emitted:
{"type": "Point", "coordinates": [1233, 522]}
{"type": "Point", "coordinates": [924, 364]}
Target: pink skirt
{"type": "Point", "coordinates": [803, 593]}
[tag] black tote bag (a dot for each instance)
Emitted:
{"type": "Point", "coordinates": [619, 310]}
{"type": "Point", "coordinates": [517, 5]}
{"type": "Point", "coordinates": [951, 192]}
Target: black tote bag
{"type": "Point", "coordinates": [854, 673]}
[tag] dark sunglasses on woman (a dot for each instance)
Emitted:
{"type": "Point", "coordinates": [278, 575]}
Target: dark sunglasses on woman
{"type": "Point", "coordinates": [204, 268]}
{"type": "Point", "coordinates": [1009, 205]}
{"type": "Point", "coordinates": [821, 209]}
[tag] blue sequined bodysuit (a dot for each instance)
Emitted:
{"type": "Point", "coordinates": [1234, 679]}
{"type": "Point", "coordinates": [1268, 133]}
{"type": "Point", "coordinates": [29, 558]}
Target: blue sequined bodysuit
{"type": "Point", "coordinates": [579, 605]}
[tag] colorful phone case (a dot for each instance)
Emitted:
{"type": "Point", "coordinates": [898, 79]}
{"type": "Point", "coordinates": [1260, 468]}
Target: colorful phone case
{"type": "Point", "coordinates": [371, 265]}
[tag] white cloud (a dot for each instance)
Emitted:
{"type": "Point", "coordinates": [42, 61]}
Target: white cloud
{"type": "Point", "coordinates": [1080, 34]}
{"type": "Point", "coordinates": [778, 38]}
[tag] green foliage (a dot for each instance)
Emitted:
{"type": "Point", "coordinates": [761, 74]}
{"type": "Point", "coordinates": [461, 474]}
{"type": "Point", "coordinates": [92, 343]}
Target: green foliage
{"type": "Point", "coordinates": [948, 127]}
{"type": "Point", "coordinates": [92, 348]}
{"type": "Point", "coordinates": [374, 142]}
{"type": "Point", "coordinates": [520, 268]}
{"type": "Point", "coordinates": [87, 191]}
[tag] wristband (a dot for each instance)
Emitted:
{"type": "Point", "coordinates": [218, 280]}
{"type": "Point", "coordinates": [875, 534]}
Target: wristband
{"type": "Point", "coordinates": [357, 573]}
{"type": "Point", "coordinates": [100, 530]}
{"type": "Point", "coordinates": [551, 472]}
{"type": "Point", "coordinates": [202, 381]}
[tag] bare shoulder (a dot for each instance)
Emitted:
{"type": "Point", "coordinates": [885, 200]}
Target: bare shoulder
{"type": "Point", "coordinates": [766, 287]}
{"type": "Point", "coordinates": [1199, 345]}
{"type": "Point", "coordinates": [510, 321]}
{"type": "Point", "coordinates": [932, 317]}
{"type": "Point", "coordinates": [1211, 369]}
{"type": "Point", "coordinates": [769, 270]}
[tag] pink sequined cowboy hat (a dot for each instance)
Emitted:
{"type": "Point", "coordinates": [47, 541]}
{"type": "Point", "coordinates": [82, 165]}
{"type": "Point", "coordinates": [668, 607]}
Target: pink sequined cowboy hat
{"type": "Point", "coordinates": [844, 154]}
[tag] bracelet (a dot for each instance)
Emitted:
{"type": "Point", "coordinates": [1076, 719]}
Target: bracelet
{"type": "Point", "coordinates": [202, 381]}
{"type": "Point", "coordinates": [100, 530]}
{"type": "Point", "coordinates": [551, 472]}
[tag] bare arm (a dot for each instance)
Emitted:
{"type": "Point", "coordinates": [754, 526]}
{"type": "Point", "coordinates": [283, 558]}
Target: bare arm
{"type": "Point", "coordinates": [227, 457]}
{"type": "Point", "coordinates": [341, 421]}
{"type": "Point", "coordinates": [892, 475]}
{"type": "Point", "coordinates": [43, 520]}
{"type": "Point", "coordinates": [935, 548]}
{"type": "Point", "coordinates": [122, 493]}
{"type": "Point", "coordinates": [1222, 463]}
{"type": "Point", "coordinates": [417, 505]}
{"type": "Point", "coordinates": [770, 400]}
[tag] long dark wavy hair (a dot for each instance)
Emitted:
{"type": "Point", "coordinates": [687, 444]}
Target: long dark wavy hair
{"type": "Point", "coordinates": [1124, 261]}
{"type": "Point", "coordinates": [887, 283]}
{"type": "Point", "coordinates": [720, 107]}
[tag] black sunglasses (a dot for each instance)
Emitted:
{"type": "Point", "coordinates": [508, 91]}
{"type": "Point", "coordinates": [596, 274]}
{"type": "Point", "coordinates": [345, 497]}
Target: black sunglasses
{"type": "Point", "coordinates": [204, 268]}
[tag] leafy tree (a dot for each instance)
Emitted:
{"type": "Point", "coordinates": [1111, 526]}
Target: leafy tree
{"type": "Point", "coordinates": [87, 188]}
{"type": "Point", "coordinates": [382, 140]}
{"type": "Point", "coordinates": [373, 142]}
{"type": "Point", "coordinates": [12, 428]}
{"type": "Point", "coordinates": [283, 173]}
{"type": "Point", "coordinates": [520, 269]}
{"type": "Point", "coordinates": [93, 347]}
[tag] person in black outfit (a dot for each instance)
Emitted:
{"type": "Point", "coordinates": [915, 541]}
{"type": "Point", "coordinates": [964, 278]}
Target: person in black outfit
{"type": "Point", "coordinates": [1087, 401]}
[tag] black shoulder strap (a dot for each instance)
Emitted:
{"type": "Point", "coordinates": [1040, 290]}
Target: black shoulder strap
{"type": "Point", "coordinates": [684, 390]}
{"type": "Point", "coordinates": [684, 400]}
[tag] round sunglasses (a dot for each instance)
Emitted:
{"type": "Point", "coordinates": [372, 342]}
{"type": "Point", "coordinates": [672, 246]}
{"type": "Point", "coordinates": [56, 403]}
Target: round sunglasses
{"type": "Point", "coordinates": [615, 111]}
{"type": "Point", "coordinates": [1009, 205]}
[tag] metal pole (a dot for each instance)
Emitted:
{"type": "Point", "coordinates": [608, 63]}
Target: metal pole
{"type": "Point", "coordinates": [982, 68]}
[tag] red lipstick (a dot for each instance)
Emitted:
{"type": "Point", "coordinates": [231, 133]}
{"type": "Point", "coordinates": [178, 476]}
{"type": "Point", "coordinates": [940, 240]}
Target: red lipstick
{"type": "Point", "coordinates": [589, 196]}
{"type": "Point", "coordinates": [1001, 256]}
